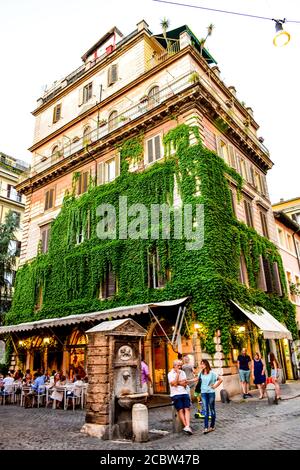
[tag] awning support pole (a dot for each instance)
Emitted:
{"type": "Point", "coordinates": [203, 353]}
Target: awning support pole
{"type": "Point", "coordinates": [175, 328]}
{"type": "Point", "coordinates": [180, 324]}
{"type": "Point", "coordinates": [52, 332]}
{"type": "Point", "coordinates": [157, 320]}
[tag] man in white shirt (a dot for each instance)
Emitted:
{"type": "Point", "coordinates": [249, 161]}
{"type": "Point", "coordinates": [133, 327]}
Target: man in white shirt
{"type": "Point", "coordinates": [179, 393]}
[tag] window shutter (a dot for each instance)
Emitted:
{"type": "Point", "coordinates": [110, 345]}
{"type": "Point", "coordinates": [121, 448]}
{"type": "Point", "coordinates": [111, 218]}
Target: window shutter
{"type": "Point", "coordinates": [111, 281]}
{"type": "Point", "coordinates": [9, 186]}
{"type": "Point", "coordinates": [261, 281]}
{"type": "Point", "coordinates": [263, 184]}
{"type": "Point", "coordinates": [248, 213]}
{"type": "Point", "coordinates": [264, 224]}
{"type": "Point", "coordinates": [85, 178]}
{"type": "Point", "coordinates": [238, 164]}
{"type": "Point", "coordinates": [47, 200]}
{"type": "Point", "coordinates": [157, 147]}
{"type": "Point", "coordinates": [117, 164]}
{"type": "Point", "coordinates": [80, 97]}
{"type": "Point", "coordinates": [51, 198]}
{"type": "Point", "coordinates": [100, 174]}
{"type": "Point", "coordinates": [276, 277]}
{"type": "Point", "coordinates": [232, 156]}
{"type": "Point", "coordinates": [219, 147]}
{"type": "Point", "coordinates": [114, 73]}
{"type": "Point", "coordinates": [150, 150]}
{"type": "Point", "coordinates": [268, 274]}
{"type": "Point", "coordinates": [80, 184]}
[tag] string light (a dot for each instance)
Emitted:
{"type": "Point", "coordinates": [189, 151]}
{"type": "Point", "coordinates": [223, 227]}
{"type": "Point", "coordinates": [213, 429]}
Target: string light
{"type": "Point", "coordinates": [281, 38]}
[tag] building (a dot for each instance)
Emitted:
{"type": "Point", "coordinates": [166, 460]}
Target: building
{"type": "Point", "coordinates": [147, 120]}
{"type": "Point", "coordinates": [291, 207]}
{"type": "Point", "coordinates": [11, 200]}
{"type": "Point", "coordinates": [289, 246]}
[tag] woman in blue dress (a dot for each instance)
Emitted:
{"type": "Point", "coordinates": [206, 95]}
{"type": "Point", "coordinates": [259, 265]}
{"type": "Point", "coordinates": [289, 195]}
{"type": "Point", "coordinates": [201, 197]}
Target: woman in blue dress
{"type": "Point", "coordinates": [259, 374]}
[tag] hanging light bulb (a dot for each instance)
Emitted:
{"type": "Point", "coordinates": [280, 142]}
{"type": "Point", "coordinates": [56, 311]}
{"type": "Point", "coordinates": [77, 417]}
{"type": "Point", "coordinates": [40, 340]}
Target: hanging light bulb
{"type": "Point", "coordinates": [281, 37]}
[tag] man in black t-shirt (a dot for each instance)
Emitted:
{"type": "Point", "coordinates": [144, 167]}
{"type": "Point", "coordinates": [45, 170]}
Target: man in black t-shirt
{"type": "Point", "coordinates": [244, 362]}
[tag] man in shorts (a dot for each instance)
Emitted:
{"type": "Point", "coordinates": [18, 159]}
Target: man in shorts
{"type": "Point", "coordinates": [179, 393]}
{"type": "Point", "coordinates": [244, 363]}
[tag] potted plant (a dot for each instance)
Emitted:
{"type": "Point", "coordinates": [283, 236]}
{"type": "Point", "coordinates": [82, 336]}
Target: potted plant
{"type": "Point", "coordinates": [194, 77]}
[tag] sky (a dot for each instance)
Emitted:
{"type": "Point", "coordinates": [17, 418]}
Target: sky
{"type": "Point", "coordinates": [42, 41]}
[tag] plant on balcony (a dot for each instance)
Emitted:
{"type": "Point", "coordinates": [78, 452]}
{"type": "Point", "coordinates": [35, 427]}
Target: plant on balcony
{"type": "Point", "coordinates": [194, 77]}
{"type": "Point", "coordinates": [294, 288]}
{"type": "Point", "coordinates": [123, 118]}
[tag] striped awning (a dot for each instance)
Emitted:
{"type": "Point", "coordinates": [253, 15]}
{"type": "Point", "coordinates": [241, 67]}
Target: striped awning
{"type": "Point", "coordinates": [113, 313]}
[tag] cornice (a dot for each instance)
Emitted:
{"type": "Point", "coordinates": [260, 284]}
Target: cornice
{"type": "Point", "coordinates": [192, 97]}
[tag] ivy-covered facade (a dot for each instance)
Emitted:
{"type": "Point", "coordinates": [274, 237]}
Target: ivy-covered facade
{"type": "Point", "coordinates": [189, 143]}
{"type": "Point", "coordinates": [69, 276]}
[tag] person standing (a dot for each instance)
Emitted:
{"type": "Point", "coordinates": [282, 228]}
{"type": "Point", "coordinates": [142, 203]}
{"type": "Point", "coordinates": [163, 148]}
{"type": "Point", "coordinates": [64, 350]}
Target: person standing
{"type": "Point", "coordinates": [259, 374]}
{"type": "Point", "coordinates": [244, 363]}
{"type": "Point", "coordinates": [209, 382]}
{"type": "Point", "coordinates": [275, 374]}
{"type": "Point", "coordinates": [180, 395]}
{"type": "Point", "coordinates": [146, 379]}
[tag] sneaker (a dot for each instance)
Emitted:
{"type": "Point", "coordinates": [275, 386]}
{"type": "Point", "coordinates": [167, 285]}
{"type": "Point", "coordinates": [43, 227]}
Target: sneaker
{"type": "Point", "coordinates": [249, 395]}
{"type": "Point", "coordinates": [205, 431]}
{"type": "Point", "coordinates": [245, 396]}
{"type": "Point", "coordinates": [188, 430]}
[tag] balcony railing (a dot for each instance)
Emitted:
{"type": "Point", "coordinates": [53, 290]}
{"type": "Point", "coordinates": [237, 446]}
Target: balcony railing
{"type": "Point", "coordinates": [146, 104]}
{"type": "Point", "coordinates": [130, 114]}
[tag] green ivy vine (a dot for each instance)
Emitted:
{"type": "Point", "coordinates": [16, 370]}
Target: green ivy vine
{"type": "Point", "coordinates": [70, 273]}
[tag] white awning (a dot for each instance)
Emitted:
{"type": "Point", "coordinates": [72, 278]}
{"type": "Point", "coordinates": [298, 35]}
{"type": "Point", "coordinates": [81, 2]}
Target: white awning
{"type": "Point", "coordinates": [271, 328]}
{"type": "Point", "coordinates": [113, 313]}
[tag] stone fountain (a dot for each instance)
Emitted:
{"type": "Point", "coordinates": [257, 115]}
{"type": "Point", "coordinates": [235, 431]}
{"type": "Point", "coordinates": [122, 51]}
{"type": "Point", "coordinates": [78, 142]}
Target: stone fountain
{"type": "Point", "coordinates": [114, 372]}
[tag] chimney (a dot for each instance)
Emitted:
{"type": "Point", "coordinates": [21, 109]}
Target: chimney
{"type": "Point", "coordinates": [232, 89]}
{"type": "Point", "coordinates": [216, 70]}
{"type": "Point", "coordinates": [142, 25]}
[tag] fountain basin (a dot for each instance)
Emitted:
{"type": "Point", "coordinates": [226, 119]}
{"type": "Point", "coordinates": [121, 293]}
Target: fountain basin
{"type": "Point", "coordinates": [127, 401]}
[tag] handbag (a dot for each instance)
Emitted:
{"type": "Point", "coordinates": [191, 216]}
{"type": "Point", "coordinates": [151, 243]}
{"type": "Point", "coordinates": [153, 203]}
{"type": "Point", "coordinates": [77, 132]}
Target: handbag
{"type": "Point", "coordinates": [198, 385]}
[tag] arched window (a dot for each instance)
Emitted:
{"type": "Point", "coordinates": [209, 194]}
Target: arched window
{"type": "Point", "coordinates": [56, 153]}
{"type": "Point", "coordinates": [112, 121]}
{"type": "Point", "coordinates": [153, 96]}
{"type": "Point", "coordinates": [87, 135]}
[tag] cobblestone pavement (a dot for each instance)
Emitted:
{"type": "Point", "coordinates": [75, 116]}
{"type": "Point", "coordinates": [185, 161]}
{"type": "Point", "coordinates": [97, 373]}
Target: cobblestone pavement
{"type": "Point", "coordinates": [241, 424]}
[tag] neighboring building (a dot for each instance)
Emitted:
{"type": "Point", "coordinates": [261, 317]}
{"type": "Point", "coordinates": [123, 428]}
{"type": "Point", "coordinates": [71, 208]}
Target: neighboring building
{"type": "Point", "coordinates": [288, 232]}
{"type": "Point", "coordinates": [12, 200]}
{"type": "Point", "coordinates": [99, 135]}
{"type": "Point", "coordinates": [290, 207]}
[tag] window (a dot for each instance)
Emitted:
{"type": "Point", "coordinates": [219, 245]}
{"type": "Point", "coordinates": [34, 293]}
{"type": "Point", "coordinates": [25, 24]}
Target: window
{"type": "Point", "coordinates": [39, 298]}
{"type": "Point", "coordinates": [296, 217]}
{"type": "Point", "coordinates": [83, 181]}
{"type": "Point", "coordinates": [223, 151]}
{"type": "Point", "coordinates": [248, 212]}
{"type": "Point", "coordinates": [154, 151]}
{"type": "Point", "coordinates": [56, 113]}
{"type": "Point", "coordinates": [49, 199]}
{"type": "Point", "coordinates": [112, 75]}
{"type": "Point", "coordinates": [112, 121]}
{"type": "Point", "coordinates": [264, 223]}
{"type": "Point", "coordinates": [13, 194]}
{"type": "Point", "coordinates": [243, 275]}
{"type": "Point", "coordinates": [257, 182]}
{"type": "Point", "coordinates": [109, 170]}
{"type": "Point", "coordinates": [108, 286]}
{"type": "Point", "coordinates": [56, 153]}
{"type": "Point", "coordinates": [87, 92]}
{"type": "Point", "coordinates": [153, 96]}
{"type": "Point", "coordinates": [243, 169]}
{"type": "Point", "coordinates": [110, 167]}
{"type": "Point", "coordinates": [14, 248]}
{"type": "Point", "coordinates": [45, 238]}
{"type": "Point", "coordinates": [281, 237]}
{"type": "Point", "coordinates": [17, 218]}
{"type": "Point", "coordinates": [87, 135]}
{"type": "Point", "coordinates": [268, 278]}
{"type": "Point", "coordinates": [290, 242]}
{"type": "Point", "coordinates": [232, 198]}
{"type": "Point", "coordinates": [9, 278]}
{"type": "Point", "coordinates": [156, 278]}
